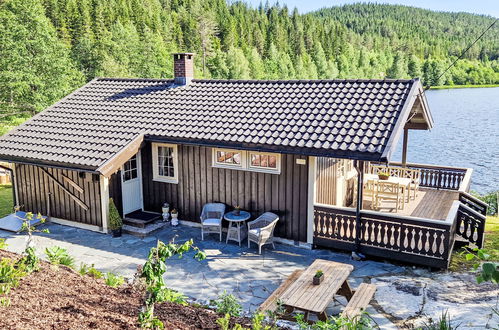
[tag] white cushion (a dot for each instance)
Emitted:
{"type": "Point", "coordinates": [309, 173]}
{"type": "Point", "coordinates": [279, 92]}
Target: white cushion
{"type": "Point", "coordinates": [255, 231]}
{"type": "Point", "coordinates": [211, 222]}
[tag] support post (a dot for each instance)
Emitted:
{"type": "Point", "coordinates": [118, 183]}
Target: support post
{"type": "Point", "coordinates": [311, 199]}
{"type": "Point", "coordinates": [104, 193]}
{"type": "Point", "coordinates": [404, 147]}
{"type": "Point", "coordinates": [359, 167]}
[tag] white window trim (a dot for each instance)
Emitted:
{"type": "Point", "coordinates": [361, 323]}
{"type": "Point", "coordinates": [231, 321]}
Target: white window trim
{"type": "Point", "coordinates": [245, 161]}
{"type": "Point", "coordinates": [155, 175]}
{"type": "Point", "coordinates": [225, 165]}
{"type": "Point", "coordinates": [277, 170]}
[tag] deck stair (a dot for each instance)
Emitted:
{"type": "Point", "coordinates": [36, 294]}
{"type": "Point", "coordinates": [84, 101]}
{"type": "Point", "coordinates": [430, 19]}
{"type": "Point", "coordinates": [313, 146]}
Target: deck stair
{"type": "Point", "coordinates": [142, 223]}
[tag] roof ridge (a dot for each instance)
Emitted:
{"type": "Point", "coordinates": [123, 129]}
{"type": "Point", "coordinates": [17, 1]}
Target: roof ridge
{"type": "Point", "coordinates": [263, 81]}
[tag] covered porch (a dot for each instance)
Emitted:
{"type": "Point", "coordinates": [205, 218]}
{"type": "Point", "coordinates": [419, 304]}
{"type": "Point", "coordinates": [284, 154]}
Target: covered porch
{"type": "Point", "coordinates": [434, 210]}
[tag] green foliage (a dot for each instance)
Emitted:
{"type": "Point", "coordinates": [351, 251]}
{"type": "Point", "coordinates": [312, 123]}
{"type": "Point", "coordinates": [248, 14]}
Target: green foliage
{"type": "Point", "coordinates": [444, 322]}
{"type": "Point", "coordinates": [115, 221]}
{"type": "Point", "coordinates": [319, 273]}
{"type": "Point", "coordinates": [10, 273]}
{"type": "Point", "coordinates": [59, 256]}
{"type": "Point", "coordinates": [228, 304]}
{"type": "Point", "coordinates": [360, 322]}
{"type": "Point", "coordinates": [224, 322]}
{"type": "Point", "coordinates": [114, 280]}
{"type": "Point", "coordinates": [90, 271]}
{"type": "Point", "coordinates": [153, 273]}
{"type": "Point", "coordinates": [491, 200]}
{"type": "Point", "coordinates": [29, 262]}
{"type": "Point", "coordinates": [49, 47]}
{"type": "Point", "coordinates": [487, 271]}
{"type": "Point", "coordinates": [3, 244]}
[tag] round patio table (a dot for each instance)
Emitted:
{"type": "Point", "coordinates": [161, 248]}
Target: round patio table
{"type": "Point", "coordinates": [235, 232]}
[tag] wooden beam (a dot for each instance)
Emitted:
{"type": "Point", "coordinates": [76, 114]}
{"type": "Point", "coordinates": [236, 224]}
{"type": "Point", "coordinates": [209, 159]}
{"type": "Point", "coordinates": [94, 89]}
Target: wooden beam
{"type": "Point", "coordinates": [404, 146]}
{"type": "Point", "coordinates": [114, 163]}
{"type": "Point", "coordinates": [104, 195]}
{"type": "Point", "coordinates": [311, 199]}
{"type": "Point", "coordinates": [72, 184]}
{"type": "Point", "coordinates": [419, 126]}
{"type": "Point", "coordinates": [75, 198]}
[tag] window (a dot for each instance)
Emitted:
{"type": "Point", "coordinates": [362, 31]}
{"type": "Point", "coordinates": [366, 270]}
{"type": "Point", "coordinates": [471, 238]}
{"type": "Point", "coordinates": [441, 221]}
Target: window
{"type": "Point", "coordinates": [247, 160]}
{"type": "Point", "coordinates": [165, 162]}
{"type": "Point", "coordinates": [228, 158]}
{"type": "Point", "coordinates": [263, 161]}
{"type": "Point", "coordinates": [130, 169]}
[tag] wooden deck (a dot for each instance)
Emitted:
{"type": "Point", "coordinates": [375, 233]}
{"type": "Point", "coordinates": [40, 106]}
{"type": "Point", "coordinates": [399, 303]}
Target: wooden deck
{"type": "Point", "coordinates": [429, 204]}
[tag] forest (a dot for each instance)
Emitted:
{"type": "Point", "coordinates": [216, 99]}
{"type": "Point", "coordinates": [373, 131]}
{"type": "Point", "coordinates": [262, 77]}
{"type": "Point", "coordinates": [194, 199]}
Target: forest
{"type": "Point", "coordinates": [50, 47]}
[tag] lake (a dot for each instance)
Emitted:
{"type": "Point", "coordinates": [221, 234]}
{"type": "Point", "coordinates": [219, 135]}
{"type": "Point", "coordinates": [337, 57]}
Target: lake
{"type": "Point", "coordinates": [465, 134]}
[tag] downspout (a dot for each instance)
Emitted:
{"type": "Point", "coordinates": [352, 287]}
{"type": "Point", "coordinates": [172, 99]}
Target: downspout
{"type": "Point", "coordinates": [12, 182]}
{"type": "Point", "coordinates": [359, 167]}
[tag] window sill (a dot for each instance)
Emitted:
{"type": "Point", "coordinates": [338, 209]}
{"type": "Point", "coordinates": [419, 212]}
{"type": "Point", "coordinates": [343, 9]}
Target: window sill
{"type": "Point", "coordinates": [165, 180]}
{"type": "Point", "coordinates": [246, 169]}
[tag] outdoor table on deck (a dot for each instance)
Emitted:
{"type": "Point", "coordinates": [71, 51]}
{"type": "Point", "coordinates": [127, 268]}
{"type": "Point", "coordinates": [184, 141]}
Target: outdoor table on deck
{"type": "Point", "coordinates": [405, 183]}
{"type": "Point", "coordinates": [236, 222]}
{"type": "Point", "coordinates": [305, 296]}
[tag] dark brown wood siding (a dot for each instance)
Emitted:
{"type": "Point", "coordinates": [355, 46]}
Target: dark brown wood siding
{"type": "Point", "coordinates": [35, 183]}
{"type": "Point", "coordinates": [199, 183]}
{"type": "Point", "coordinates": [115, 191]}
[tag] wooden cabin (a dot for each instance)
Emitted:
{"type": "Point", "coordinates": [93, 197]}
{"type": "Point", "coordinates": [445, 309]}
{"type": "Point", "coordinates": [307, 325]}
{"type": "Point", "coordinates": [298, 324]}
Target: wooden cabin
{"type": "Point", "coordinates": [299, 148]}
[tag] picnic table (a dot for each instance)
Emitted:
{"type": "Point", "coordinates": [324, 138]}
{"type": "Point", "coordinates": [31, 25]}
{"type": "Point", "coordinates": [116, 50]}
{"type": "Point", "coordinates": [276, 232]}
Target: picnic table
{"type": "Point", "coordinates": [304, 296]}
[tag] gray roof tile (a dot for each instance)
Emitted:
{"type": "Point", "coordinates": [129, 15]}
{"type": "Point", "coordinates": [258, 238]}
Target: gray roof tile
{"type": "Point", "coordinates": [95, 122]}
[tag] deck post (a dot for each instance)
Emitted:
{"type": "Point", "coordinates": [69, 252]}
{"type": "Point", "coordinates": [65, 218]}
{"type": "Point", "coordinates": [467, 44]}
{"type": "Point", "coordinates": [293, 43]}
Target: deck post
{"type": "Point", "coordinates": [404, 147]}
{"type": "Point", "coordinates": [359, 166]}
{"type": "Point", "coordinates": [104, 191]}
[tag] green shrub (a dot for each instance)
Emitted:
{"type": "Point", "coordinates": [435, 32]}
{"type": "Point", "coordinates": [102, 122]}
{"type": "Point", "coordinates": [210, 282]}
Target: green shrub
{"type": "Point", "coordinates": [3, 245]}
{"type": "Point", "coordinates": [29, 262]}
{"type": "Point", "coordinates": [10, 274]}
{"type": "Point", "coordinates": [360, 322]}
{"type": "Point", "coordinates": [90, 271]}
{"type": "Point", "coordinates": [490, 199]}
{"type": "Point", "coordinates": [59, 256]}
{"type": "Point", "coordinates": [228, 304]}
{"type": "Point", "coordinates": [114, 280]}
{"type": "Point", "coordinates": [115, 221]}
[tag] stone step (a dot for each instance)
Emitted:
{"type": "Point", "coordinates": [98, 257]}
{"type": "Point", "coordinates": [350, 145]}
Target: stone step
{"type": "Point", "coordinates": [145, 231]}
{"type": "Point", "coordinates": [139, 222]}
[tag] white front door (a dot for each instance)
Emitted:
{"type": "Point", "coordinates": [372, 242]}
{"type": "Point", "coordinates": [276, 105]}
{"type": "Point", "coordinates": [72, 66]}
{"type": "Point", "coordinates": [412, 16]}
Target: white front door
{"type": "Point", "coordinates": [131, 185]}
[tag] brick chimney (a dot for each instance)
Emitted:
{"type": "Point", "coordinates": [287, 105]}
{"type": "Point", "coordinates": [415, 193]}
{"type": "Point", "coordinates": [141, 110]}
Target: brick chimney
{"type": "Point", "coordinates": [183, 68]}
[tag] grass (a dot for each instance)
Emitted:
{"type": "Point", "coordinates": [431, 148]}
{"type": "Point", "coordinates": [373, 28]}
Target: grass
{"type": "Point", "coordinates": [6, 200]}
{"type": "Point", "coordinates": [491, 245]}
{"type": "Point", "coordinates": [463, 86]}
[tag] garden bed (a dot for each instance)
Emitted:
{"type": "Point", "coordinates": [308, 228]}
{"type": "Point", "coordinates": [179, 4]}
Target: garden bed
{"type": "Point", "coordinates": [60, 298]}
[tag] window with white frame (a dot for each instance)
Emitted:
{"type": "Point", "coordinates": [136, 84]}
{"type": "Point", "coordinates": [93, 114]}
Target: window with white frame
{"type": "Point", "coordinates": [247, 160]}
{"type": "Point", "coordinates": [165, 162]}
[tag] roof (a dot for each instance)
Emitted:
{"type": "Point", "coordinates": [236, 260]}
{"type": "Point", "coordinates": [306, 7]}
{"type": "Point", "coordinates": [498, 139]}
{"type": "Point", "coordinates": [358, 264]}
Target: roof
{"type": "Point", "coordinates": [338, 118]}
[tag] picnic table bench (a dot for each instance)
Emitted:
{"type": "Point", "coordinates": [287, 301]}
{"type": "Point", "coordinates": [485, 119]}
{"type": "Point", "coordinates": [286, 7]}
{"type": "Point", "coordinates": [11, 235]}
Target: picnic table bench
{"type": "Point", "coordinates": [298, 293]}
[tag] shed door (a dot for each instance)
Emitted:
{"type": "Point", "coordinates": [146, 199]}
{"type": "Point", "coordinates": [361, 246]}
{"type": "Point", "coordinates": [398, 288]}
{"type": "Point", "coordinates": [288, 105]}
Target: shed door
{"type": "Point", "coordinates": [131, 184]}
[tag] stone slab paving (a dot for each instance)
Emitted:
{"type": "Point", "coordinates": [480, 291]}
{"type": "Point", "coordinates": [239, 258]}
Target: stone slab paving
{"type": "Point", "coordinates": [405, 298]}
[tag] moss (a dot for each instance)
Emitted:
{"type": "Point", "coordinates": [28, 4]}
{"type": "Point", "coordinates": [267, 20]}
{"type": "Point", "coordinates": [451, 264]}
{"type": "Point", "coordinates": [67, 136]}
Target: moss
{"type": "Point", "coordinates": [115, 221]}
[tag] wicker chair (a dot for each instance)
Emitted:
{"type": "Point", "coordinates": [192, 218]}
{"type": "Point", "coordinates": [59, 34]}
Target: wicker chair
{"type": "Point", "coordinates": [211, 219]}
{"type": "Point", "coordinates": [261, 230]}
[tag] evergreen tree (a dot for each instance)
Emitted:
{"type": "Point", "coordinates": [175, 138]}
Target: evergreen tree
{"type": "Point", "coordinates": [35, 66]}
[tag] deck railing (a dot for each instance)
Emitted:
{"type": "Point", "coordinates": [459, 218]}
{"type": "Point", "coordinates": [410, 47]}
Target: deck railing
{"type": "Point", "coordinates": [409, 239]}
{"type": "Point", "coordinates": [470, 219]}
{"type": "Point", "coordinates": [440, 177]}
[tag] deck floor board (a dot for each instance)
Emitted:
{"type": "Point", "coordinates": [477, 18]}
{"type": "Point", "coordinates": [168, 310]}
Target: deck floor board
{"type": "Point", "coordinates": [429, 204]}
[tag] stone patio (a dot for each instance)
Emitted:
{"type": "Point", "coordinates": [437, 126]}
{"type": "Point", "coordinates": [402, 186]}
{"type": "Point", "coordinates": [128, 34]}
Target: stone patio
{"type": "Point", "coordinates": [406, 296]}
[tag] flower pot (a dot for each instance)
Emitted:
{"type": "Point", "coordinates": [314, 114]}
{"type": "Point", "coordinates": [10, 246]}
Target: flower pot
{"type": "Point", "coordinates": [383, 177]}
{"type": "Point", "coordinates": [237, 212]}
{"type": "Point", "coordinates": [318, 280]}
{"type": "Point", "coordinates": [116, 232]}
{"type": "Point", "coordinates": [174, 219]}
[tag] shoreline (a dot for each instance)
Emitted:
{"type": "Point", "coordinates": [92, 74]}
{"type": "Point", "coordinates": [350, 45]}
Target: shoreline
{"type": "Point", "coordinates": [463, 86]}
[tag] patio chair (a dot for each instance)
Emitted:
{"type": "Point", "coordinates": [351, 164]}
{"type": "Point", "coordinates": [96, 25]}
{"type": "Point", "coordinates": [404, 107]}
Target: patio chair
{"type": "Point", "coordinates": [388, 191]}
{"type": "Point", "coordinates": [211, 219]}
{"type": "Point", "coordinates": [261, 230]}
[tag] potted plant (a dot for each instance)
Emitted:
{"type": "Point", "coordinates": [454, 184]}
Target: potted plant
{"type": "Point", "coordinates": [115, 222]}
{"type": "Point", "coordinates": [237, 210]}
{"type": "Point", "coordinates": [383, 175]}
{"type": "Point", "coordinates": [174, 217]}
{"type": "Point", "coordinates": [318, 277]}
